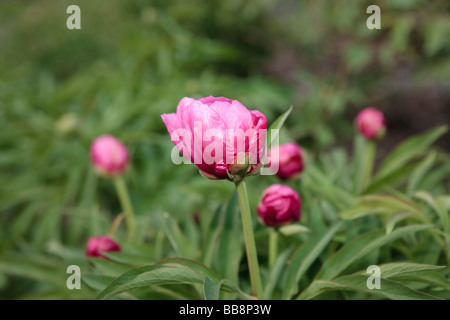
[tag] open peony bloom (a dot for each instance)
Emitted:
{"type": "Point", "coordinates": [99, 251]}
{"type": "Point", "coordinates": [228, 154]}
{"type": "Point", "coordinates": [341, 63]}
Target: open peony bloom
{"type": "Point", "coordinates": [370, 123]}
{"type": "Point", "coordinates": [109, 156]}
{"type": "Point", "coordinates": [97, 245]}
{"type": "Point", "coordinates": [279, 205]}
{"type": "Point", "coordinates": [220, 136]}
{"type": "Point", "coordinates": [289, 160]}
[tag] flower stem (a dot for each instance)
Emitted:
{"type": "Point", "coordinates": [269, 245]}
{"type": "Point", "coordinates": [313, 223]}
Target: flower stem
{"type": "Point", "coordinates": [255, 276]}
{"type": "Point", "coordinates": [273, 246]}
{"type": "Point", "coordinates": [364, 167]}
{"type": "Point", "coordinates": [125, 202]}
{"type": "Point", "coordinates": [115, 224]}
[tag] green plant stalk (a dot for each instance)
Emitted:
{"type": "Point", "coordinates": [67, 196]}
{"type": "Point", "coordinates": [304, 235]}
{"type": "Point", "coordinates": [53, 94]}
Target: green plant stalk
{"type": "Point", "coordinates": [364, 169]}
{"type": "Point", "coordinates": [255, 276]}
{"type": "Point", "coordinates": [273, 246]}
{"type": "Point", "coordinates": [125, 202]}
{"type": "Point", "coordinates": [115, 224]}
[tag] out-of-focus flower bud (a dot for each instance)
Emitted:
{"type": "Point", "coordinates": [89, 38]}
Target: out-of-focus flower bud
{"type": "Point", "coordinates": [97, 245]}
{"type": "Point", "coordinates": [370, 123]}
{"type": "Point", "coordinates": [288, 159]}
{"type": "Point", "coordinates": [109, 156]}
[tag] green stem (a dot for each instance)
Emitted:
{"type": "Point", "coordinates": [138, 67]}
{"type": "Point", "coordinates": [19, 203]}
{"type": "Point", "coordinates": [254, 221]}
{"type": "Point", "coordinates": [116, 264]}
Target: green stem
{"type": "Point", "coordinates": [273, 246]}
{"type": "Point", "coordinates": [255, 276]}
{"type": "Point", "coordinates": [115, 224]}
{"type": "Point", "coordinates": [125, 202]}
{"type": "Point", "coordinates": [366, 157]}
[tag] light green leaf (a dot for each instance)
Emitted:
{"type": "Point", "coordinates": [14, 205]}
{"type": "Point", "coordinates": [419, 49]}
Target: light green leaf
{"type": "Point", "coordinates": [277, 125]}
{"type": "Point", "coordinates": [396, 218]}
{"type": "Point", "coordinates": [291, 229]}
{"type": "Point", "coordinates": [365, 156]}
{"type": "Point", "coordinates": [128, 258]}
{"type": "Point", "coordinates": [211, 289]}
{"type": "Point", "coordinates": [394, 269]}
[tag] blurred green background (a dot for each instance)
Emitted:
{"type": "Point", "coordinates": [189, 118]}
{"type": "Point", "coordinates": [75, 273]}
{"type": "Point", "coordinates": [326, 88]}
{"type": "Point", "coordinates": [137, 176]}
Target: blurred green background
{"type": "Point", "coordinates": [134, 60]}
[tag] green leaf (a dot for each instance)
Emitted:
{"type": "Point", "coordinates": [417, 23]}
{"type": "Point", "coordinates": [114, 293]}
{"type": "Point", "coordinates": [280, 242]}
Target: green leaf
{"type": "Point", "coordinates": [275, 273]}
{"type": "Point", "coordinates": [109, 268]}
{"type": "Point", "coordinates": [212, 236]}
{"type": "Point", "coordinates": [385, 205]}
{"type": "Point", "coordinates": [230, 246]}
{"type": "Point", "coordinates": [361, 246]}
{"type": "Point", "coordinates": [174, 271]}
{"type": "Point", "coordinates": [277, 125]}
{"type": "Point", "coordinates": [438, 207]}
{"type": "Point", "coordinates": [394, 269]}
{"type": "Point", "coordinates": [394, 179]}
{"type": "Point", "coordinates": [315, 179]}
{"type": "Point", "coordinates": [397, 217]}
{"type": "Point", "coordinates": [420, 172]}
{"type": "Point", "coordinates": [434, 279]}
{"type": "Point", "coordinates": [407, 150]}
{"type": "Point", "coordinates": [96, 281]}
{"type": "Point", "coordinates": [365, 155]}
{"type": "Point", "coordinates": [291, 229]}
{"type": "Point", "coordinates": [148, 276]}
{"type": "Point", "coordinates": [211, 289]}
{"type": "Point", "coordinates": [388, 289]}
{"type": "Point", "coordinates": [128, 258]}
{"type": "Point", "coordinates": [204, 271]}
{"type": "Point", "coordinates": [305, 256]}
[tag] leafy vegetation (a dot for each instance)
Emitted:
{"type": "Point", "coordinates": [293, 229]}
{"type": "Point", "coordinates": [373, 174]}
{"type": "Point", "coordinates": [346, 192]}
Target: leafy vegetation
{"type": "Point", "coordinates": [362, 204]}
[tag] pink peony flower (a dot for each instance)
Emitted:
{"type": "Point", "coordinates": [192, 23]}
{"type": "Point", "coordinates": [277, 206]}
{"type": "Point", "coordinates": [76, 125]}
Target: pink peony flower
{"type": "Point", "coordinates": [370, 123]}
{"type": "Point", "coordinates": [288, 159]}
{"type": "Point", "coordinates": [219, 135]}
{"type": "Point", "coordinates": [97, 245]}
{"type": "Point", "coordinates": [279, 205]}
{"type": "Point", "coordinates": [109, 156]}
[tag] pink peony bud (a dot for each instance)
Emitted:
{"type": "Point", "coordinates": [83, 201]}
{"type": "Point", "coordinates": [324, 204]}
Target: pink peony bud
{"type": "Point", "coordinates": [370, 123]}
{"type": "Point", "coordinates": [97, 245]}
{"type": "Point", "coordinates": [219, 135]}
{"type": "Point", "coordinates": [109, 156]}
{"type": "Point", "coordinates": [289, 160]}
{"type": "Point", "coordinates": [279, 205]}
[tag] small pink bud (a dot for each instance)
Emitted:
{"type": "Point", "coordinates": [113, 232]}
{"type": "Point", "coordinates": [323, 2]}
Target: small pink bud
{"type": "Point", "coordinates": [109, 156]}
{"type": "Point", "coordinates": [279, 205]}
{"type": "Point", "coordinates": [288, 159]}
{"type": "Point", "coordinates": [370, 123]}
{"type": "Point", "coordinates": [97, 245]}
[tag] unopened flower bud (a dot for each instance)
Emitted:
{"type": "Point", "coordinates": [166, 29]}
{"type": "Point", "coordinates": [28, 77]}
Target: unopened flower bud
{"type": "Point", "coordinates": [97, 245]}
{"type": "Point", "coordinates": [109, 156]}
{"type": "Point", "coordinates": [288, 159]}
{"type": "Point", "coordinates": [370, 123]}
{"type": "Point", "coordinates": [279, 205]}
